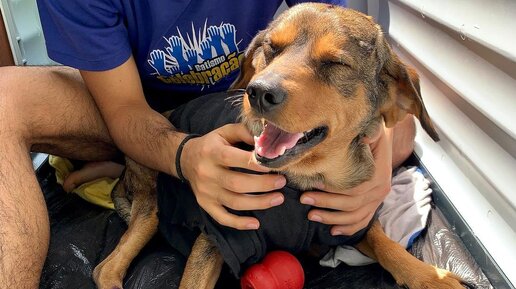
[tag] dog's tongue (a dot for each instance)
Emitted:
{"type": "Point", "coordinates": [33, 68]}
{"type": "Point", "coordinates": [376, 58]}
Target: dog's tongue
{"type": "Point", "coordinates": [273, 141]}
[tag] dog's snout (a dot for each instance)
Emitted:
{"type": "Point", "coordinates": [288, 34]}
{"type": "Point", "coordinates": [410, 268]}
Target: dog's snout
{"type": "Point", "coordinates": [265, 96]}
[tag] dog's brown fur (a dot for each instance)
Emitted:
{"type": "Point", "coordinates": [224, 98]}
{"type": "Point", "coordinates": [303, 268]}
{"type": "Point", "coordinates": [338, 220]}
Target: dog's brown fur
{"type": "Point", "coordinates": [337, 71]}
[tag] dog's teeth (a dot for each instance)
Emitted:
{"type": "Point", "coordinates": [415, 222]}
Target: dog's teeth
{"type": "Point", "coordinates": [282, 151]}
{"type": "Point", "coordinates": [256, 139]}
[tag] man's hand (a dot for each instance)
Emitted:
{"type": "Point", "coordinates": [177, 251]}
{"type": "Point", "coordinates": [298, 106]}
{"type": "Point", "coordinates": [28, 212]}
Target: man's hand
{"type": "Point", "coordinates": [355, 207]}
{"type": "Point", "coordinates": [206, 163]}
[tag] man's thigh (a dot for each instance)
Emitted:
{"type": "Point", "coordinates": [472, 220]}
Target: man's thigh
{"type": "Point", "coordinates": [51, 110]}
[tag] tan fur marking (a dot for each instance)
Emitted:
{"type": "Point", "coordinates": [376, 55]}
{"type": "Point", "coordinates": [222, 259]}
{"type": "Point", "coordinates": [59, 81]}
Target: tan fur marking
{"type": "Point", "coordinates": [141, 182]}
{"type": "Point", "coordinates": [406, 269]}
{"type": "Point", "coordinates": [203, 266]}
{"type": "Point", "coordinates": [284, 34]}
{"type": "Point", "coordinates": [328, 48]}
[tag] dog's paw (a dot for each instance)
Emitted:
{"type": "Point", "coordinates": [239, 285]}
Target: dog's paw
{"type": "Point", "coordinates": [105, 279]}
{"type": "Point", "coordinates": [434, 278]}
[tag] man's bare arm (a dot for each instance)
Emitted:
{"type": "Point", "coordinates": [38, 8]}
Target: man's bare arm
{"type": "Point", "coordinates": [139, 131]}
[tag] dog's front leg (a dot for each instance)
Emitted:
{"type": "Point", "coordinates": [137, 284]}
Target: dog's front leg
{"type": "Point", "coordinates": [143, 224]}
{"type": "Point", "coordinates": [406, 269]}
{"type": "Point", "coordinates": [203, 266]}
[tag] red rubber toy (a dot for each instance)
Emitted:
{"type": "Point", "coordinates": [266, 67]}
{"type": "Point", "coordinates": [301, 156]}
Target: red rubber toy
{"type": "Point", "coordinates": [278, 270]}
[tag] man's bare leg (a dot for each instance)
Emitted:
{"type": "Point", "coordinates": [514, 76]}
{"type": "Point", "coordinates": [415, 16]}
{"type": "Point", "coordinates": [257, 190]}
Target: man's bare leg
{"type": "Point", "coordinates": [47, 110]}
{"type": "Point", "coordinates": [92, 171]}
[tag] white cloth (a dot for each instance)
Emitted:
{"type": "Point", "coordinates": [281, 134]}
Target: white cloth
{"type": "Point", "coordinates": [403, 216]}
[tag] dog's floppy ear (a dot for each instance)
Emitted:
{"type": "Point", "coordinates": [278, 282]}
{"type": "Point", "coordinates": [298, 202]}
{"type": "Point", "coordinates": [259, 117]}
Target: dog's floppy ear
{"type": "Point", "coordinates": [403, 92]}
{"type": "Point", "coordinates": [247, 69]}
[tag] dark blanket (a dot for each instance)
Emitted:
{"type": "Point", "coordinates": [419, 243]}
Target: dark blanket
{"type": "Point", "coordinates": [82, 235]}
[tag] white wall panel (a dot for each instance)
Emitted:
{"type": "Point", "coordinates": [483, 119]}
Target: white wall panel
{"type": "Point", "coordinates": [465, 53]}
{"type": "Point", "coordinates": [25, 33]}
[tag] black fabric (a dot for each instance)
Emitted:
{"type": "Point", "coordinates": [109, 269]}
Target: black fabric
{"type": "Point", "coordinates": [284, 227]}
{"type": "Point", "coordinates": [162, 101]}
{"type": "Point", "coordinates": [205, 113]}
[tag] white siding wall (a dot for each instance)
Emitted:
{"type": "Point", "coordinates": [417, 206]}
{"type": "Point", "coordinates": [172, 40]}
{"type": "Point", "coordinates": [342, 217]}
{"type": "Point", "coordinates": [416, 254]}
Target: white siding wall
{"type": "Point", "coordinates": [465, 52]}
{"type": "Point", "coordinates": [24, 31]}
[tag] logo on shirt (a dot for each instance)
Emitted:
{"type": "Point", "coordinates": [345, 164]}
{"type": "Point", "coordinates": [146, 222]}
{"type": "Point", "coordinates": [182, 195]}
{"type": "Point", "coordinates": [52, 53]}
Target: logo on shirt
{"type": "Point", "coordinates": [201, 58]}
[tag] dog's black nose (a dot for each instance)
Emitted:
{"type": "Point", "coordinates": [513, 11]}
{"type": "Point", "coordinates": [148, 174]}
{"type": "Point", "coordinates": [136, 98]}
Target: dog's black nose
{"type": "Point", "coordinates": [265, 96]}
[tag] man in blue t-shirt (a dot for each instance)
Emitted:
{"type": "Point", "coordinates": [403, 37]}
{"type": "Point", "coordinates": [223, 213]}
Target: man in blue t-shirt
{"type": "Point", "coordinates": [126, 60]}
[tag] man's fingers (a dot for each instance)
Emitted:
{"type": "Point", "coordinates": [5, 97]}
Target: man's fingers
{"type": "Point", "coordinates": [249, 183]}
{"type": "Point", "coordinates": [235, 133]}
{"type": "Point", "coordinates": [223, 217]}
{"type": "Point", "coordinates": [246, 202]}
{"type": "Point", "coordinates": [236, 158]}
{"type": "Point", "coordinates": [342, 218]}
{"type": "Point", "coordinates": [341, 201]}
{"type": "Point", "coordinates": [349, 230]}
{"type": "Point", "coordinates": [360, 189]}
{"type": "Point", "coordinates": [331, 201]}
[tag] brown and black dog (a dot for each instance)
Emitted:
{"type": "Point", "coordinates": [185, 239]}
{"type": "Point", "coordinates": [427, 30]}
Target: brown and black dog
{"type": "Point", "coordinates": [319, 79]}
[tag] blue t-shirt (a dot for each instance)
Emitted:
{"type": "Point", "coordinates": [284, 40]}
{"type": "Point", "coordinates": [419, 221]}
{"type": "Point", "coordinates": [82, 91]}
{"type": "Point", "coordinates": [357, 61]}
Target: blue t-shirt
{"type": "Point", "coordinates": [183, 48]}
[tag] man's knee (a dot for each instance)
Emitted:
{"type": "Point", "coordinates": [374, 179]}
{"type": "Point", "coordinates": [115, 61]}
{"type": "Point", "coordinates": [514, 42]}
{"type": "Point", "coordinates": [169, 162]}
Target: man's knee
{"type": "Point", "coordinates": [30, 96]}
{"type": "Point", "coordinates": [8, 82]}
{"type": "Point", "coordinates": [11, 101]}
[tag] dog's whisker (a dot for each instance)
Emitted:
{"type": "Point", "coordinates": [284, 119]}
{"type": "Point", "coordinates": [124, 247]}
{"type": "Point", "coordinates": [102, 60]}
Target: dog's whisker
{"type": "Point", "coordinates": [235, 100]}
{"type": "Point", "coordinates": [237, 96]}
{"type": "Point", "coordinates": [236, 103]}
{"type": "Point", "coordinates": [238, 91]}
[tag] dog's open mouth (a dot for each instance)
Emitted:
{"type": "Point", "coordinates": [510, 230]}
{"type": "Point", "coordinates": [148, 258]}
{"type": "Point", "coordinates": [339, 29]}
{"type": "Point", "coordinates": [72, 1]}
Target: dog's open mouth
{"type": "Point", "coordinates": [275, 147]}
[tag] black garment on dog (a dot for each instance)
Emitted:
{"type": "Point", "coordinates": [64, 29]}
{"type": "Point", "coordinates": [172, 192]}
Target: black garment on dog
{"type": "Point", "coordinates": [284, 227]}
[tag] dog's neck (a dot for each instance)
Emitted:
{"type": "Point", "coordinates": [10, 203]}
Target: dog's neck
{"type": "Point", "coordinates": [305, 182]}
{"type": "Point", "coordinates": [344, 171]}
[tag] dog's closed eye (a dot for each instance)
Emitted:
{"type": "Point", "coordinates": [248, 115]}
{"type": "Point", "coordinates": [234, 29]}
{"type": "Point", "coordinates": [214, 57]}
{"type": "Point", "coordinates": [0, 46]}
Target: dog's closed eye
{"type": "Point", "coordinates": [271, 49]}
{"type": "Point", "coordinates": [339, 61]}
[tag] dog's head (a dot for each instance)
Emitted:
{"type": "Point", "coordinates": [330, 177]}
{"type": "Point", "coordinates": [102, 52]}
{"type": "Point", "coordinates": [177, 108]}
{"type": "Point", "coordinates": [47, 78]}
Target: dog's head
{"type": "Point", "coordinates": [316, 81]}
